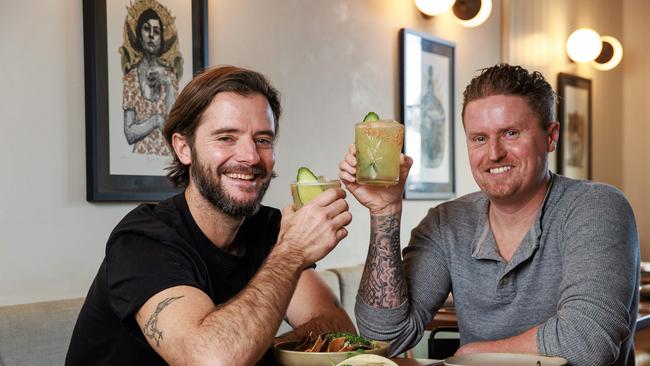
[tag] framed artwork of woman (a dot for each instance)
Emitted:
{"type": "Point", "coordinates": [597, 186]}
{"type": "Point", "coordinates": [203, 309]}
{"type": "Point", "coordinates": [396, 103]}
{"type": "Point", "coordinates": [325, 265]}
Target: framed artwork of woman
{"type": "Point", "coordinates": [136, 54]}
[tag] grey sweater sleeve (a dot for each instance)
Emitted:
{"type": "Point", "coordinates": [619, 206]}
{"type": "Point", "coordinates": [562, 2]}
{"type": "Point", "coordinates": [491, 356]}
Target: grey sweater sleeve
{"type": "Point", "coordinates": [600, 251]}
{"type": "Point", "coordinates": [428, 280]}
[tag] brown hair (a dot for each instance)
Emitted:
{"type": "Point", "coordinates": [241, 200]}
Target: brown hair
{"type": "Point", "coordinates": [185, 115]}
{"type": "Point", "coordinates": [504, 79]}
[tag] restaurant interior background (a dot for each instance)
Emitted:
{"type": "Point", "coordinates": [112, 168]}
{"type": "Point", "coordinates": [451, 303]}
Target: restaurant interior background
{"type": "Point", "coordinates": [332, 60]}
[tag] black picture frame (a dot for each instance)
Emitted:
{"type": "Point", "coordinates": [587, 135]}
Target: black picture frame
{"type": "Point", "coordinates": [427, 76]}
{"type": "Point", "coordinates": [574, 150]}
{"type": "Point", "coordinates": [101, 185]}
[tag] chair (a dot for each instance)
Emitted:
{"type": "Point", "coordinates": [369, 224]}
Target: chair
{"type": "Point", "coordinates": [443, 342]}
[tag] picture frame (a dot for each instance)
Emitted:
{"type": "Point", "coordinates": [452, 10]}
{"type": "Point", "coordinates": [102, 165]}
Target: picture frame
{"type": "Point", "coordinates": [126, 154]}
{"type": "Point", "coordinates": [574, 150]}
{"type": "Point", "coordinates": [427, 74]}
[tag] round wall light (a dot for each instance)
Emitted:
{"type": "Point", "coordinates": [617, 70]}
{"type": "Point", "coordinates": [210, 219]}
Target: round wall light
{"type": "Point", "coordinates": [472, 13]}
{"type": "Point", "coordinates": [433, 7]}
{"type": "Point", "coordinates": [610, 55]}
{"type": "Point", "coordinates": [583, 45]}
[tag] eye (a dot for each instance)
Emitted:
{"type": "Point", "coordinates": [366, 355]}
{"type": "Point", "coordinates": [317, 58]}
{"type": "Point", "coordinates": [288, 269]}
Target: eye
{"type": "Point", "coordinates": [512, 133]}
{"type": "Point", "coordinates": [264, 141]}
{"type": "Point", "coordinates": [479, 139]}
{"type": "Point", "coordinates": [225, 138]}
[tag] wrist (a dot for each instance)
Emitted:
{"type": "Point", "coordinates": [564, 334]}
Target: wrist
{"type": "Point", "coordinates": [288, 257]}
{"type": "Point", "coordinates": [386, 211]}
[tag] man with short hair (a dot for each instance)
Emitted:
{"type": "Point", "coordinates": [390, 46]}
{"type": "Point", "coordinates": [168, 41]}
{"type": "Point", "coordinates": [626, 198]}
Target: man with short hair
{"type": "Point", "coordinates": [537, 262]}
{"type": "Point", "coordinates": [205, 277]}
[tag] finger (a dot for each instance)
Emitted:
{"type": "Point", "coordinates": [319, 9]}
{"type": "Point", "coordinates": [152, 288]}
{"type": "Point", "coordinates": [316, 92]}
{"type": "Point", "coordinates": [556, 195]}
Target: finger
{"type": "Point", "coordinates": [347, 178]}
{"type": "Point", "coordinates": [336, 208]}
{"type": "Point", "coordinates": [341, 234]}
{"type": "Point", "coordinates": [342, 219]}
{"type": "Point", "coordinates": [329, 196]}
{"type": "Point", "coordinates": [345, 166]}
{"type": "Point", "coordinates": [351, 159]}
{"type": "Point", "coordinates": [352, 149]}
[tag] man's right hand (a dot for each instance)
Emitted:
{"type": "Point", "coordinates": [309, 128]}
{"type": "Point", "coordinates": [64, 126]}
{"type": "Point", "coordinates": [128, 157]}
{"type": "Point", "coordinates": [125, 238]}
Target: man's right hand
{"type": "Point", "coordinates": [380, 200]}
{"type": "Point", "coordinates": [316, 228]}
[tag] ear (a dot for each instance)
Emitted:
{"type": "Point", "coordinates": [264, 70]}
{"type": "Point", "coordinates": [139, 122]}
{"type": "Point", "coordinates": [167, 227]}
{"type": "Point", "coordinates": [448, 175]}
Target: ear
{"type": "Point", "coordinates": [182, 148]}
{"type": "Point", "coordinates": [553, 135]}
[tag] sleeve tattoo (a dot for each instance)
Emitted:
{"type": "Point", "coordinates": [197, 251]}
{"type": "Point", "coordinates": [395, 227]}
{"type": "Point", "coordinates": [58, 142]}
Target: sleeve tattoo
{"type": "Point", "coordinates": [150, 329]}
{"type": "Point", "coordinates": [382, 283]}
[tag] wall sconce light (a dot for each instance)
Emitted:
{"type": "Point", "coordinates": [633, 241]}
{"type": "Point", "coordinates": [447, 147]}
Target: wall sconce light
{"type": "Point", "coordinates": [610, 55]}
{"type": "Point", "coordinates": [472, 13]}
{"type": "Point", "coordinates": [469, 13]}
{"type": "Point", "coordinates": [586, 45]}
{"type": "Point", "coordinates": [583, 45]}
{"type": "Point", "coordinates": [433, 7]}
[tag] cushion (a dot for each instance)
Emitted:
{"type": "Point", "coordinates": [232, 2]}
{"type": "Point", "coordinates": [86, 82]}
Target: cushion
{"type": "Point", "coordinates": [38, 333]}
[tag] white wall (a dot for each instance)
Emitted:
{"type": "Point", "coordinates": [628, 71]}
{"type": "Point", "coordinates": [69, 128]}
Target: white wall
{"type": "Point", "coordinates": [636, 116]}
{"type": "Point", "coordinates": [538, 30]}
{"type": "Point", "coordinates": [333, 60]}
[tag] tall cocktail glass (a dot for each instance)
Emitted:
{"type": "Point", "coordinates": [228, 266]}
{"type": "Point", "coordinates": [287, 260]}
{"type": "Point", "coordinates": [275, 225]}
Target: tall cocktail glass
{"type": "Point", "coordinates": [304, 192]}
{"type": "Point", "coordinates": [378, 145]}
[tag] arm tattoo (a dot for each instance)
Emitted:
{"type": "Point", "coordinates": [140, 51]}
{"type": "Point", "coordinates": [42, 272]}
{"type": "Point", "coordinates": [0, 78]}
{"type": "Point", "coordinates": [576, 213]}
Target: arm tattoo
{"type": "Point", "coordinates": [150, 329]}
{"type": "Point", "coordinates": [382, 283]}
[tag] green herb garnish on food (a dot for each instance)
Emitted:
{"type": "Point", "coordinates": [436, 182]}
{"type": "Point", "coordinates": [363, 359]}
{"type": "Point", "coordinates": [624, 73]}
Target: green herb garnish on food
{"type": "Point", "coordinates": [351, 338]}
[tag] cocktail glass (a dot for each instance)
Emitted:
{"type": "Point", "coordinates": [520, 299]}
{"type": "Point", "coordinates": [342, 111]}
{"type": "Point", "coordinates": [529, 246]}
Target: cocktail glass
{"type": "Point", "coordinates": [304, 192]}
{"type": "Point", "coordinates": [378, 144]}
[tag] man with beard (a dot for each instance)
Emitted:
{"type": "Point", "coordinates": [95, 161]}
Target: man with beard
{"type": "Point", "coordinates": [537, 262]}
{"type": "Point", "coordinates": [206, 277]}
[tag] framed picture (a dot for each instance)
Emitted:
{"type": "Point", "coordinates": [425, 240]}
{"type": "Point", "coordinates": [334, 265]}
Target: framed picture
{"type": "Point", "coordinates": [427, 110]}
{"type": "Point", "coordinates": [138, 56]}
{"type": "Point", "coordinates": [574, 115]}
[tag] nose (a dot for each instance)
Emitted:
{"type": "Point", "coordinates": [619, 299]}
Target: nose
{"type": "Point", "coordinates": [247, 152]}
{"type": "Point", "coordinates": [496, 150]}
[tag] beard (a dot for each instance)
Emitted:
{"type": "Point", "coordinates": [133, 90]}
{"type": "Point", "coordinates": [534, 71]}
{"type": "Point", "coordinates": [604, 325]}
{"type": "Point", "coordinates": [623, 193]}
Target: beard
{"type": "Point", "coordinates": [211, 188]}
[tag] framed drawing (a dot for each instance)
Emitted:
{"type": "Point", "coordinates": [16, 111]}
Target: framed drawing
{"type": "Point", "coordinates": [427, 110]}
{"type": "Point", "coordinates": [138, 55]}
{"type": "Point", "coordinates": [574, 115]}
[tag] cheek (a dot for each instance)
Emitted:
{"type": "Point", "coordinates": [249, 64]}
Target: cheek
{"type": "Point", "coordinates": [475, 157]}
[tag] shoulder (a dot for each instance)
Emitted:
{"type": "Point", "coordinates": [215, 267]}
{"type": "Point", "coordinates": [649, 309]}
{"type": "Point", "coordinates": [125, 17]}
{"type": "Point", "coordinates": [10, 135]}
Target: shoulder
{"type": "Point", "coordinates": [152, 221]}
{"type": "Point", "coordinates": [590, 197]}
{"type": "Point", "coordinates": [468, 206]}
{"type": "Point", "coordinates": [457, 214]}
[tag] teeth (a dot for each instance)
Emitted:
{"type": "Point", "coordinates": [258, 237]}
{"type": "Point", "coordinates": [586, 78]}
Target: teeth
{"type": "Point", "coordinates": [501, 169]}
{"type": "Point", "coordinates": [240, 176]}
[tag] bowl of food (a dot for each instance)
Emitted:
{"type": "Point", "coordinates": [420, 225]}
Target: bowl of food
{"type": "Point", "coordinates": [326, 349]}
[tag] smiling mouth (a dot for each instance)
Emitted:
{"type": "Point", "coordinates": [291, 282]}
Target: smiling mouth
{"type": "Point", "coordinates": [240, 176]}
{"type": "Point", "coordinates": [500, 170]}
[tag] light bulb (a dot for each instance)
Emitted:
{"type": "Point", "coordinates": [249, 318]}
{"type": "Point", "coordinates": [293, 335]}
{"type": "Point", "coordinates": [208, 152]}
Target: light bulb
{"type": "Point", "coordinates": [433, 7]}
{"type": "Point", "coordinates": [583, 45]}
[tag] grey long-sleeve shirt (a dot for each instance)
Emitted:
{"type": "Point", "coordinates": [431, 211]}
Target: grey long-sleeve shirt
{"type": "Point", "coordinates": [575, 275]}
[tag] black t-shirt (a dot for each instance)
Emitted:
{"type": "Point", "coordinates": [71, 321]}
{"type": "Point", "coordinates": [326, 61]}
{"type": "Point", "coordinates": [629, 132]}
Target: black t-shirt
{"type": "Point", "coordinates": [153, 248]}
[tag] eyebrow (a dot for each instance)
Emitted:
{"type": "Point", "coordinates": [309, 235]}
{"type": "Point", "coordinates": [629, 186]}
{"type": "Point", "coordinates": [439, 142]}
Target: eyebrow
{"type": "Point", "coordinates": [234, 130]}
{"type": "Point", "coordinates": [514, 126]}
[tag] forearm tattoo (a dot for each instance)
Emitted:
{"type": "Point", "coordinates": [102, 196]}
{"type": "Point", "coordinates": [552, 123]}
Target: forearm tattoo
{"type": "Point", "coordinates": [382, 283]}
{"type": "Point", "coordinates": [150, 329]}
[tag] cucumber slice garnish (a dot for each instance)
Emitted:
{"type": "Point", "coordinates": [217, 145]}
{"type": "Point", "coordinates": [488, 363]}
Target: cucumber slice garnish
{"type": "Point", "coordinates": [370, 117]}
{"type": "Point", "coordinates": [307, 192]}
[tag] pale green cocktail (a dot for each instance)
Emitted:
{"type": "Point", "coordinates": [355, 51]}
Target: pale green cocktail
{"type": "Point", "coordinates": [378, 144]}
